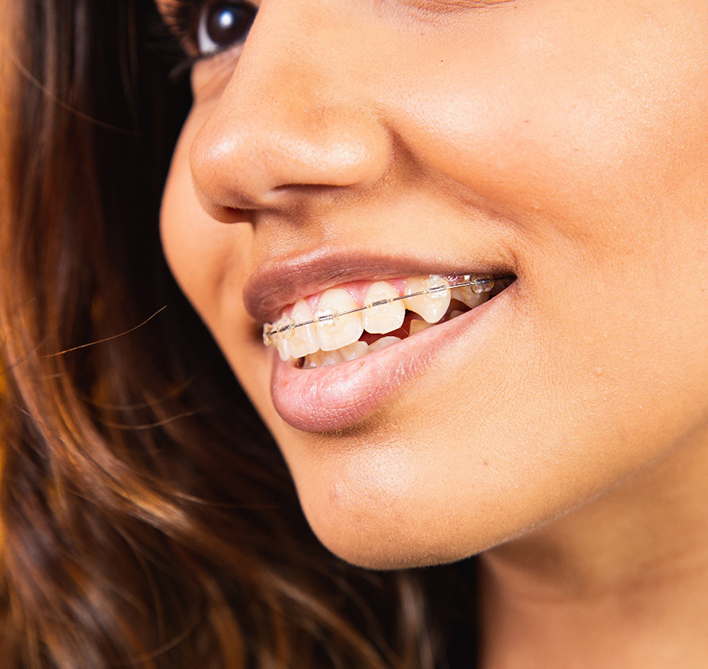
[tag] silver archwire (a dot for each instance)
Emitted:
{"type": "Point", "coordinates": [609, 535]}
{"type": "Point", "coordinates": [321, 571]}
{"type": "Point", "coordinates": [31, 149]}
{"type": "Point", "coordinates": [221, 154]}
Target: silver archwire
{"type": "Point", "coordinates": [479, 284]}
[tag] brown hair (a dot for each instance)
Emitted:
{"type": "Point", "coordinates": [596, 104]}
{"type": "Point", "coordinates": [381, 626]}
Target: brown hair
{"type": "Point", "coordinates": [149, 520]}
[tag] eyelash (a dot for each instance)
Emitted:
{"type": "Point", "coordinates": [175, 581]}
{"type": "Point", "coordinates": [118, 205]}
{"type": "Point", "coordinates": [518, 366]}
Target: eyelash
{"type": "Point", "coordinates": [181, 17]}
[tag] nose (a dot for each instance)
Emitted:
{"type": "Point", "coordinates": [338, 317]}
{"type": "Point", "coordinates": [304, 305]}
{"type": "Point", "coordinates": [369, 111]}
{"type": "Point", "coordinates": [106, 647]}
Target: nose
{"type": "Point", "coordinates": [296, 118]}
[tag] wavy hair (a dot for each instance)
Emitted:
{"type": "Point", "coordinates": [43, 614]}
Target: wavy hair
{"type": "Point", "coordinates": [148, 518]}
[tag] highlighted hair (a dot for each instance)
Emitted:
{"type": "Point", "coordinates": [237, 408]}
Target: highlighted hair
{"type": "Point", "coordinates": [148, 519]}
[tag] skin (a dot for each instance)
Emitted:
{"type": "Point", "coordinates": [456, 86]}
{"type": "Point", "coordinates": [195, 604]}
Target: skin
{"type": "Point", "coordinates": [565, 141]}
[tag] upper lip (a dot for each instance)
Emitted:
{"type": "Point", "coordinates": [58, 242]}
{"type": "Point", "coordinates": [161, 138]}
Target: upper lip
{"type": "Point", "coordinates": [281, 281]}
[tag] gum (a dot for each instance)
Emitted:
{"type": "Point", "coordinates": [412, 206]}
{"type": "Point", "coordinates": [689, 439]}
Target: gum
{"type": "Point", "coordinates": [357, 289]}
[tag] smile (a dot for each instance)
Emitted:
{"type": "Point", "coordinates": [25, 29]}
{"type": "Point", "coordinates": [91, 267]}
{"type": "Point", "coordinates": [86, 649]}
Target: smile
{"type": "Point", "coordinates": [349, 322]}
{"type": "Point", "coordinates": [335, 393]}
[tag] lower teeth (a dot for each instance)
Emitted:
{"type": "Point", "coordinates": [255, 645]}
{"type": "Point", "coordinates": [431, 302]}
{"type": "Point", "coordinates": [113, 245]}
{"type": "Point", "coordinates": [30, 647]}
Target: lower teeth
{"type": "Point", "coordinates": [413, 324]}
{"type": "Point", "coordinates": [360, 348]}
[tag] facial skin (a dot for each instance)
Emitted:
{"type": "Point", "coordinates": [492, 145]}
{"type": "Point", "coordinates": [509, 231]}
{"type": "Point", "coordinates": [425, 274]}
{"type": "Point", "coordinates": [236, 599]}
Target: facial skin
{"type": "Point", "coordinates": [564, 141]}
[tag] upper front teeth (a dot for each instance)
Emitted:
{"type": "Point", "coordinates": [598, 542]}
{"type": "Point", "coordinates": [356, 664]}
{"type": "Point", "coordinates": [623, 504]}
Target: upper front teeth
{"type": "Point", "coordinates": [428, 297]}
{"type": "Point", "coordinates": [384, 312]}
{"type": "Point", "coordinates": [339, 320]}
{"type": "Point", "coordinates": [304, 339]}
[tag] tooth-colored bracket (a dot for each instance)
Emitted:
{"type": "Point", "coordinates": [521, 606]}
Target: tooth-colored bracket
{"type": "Point", "coordinates": [479, 284]}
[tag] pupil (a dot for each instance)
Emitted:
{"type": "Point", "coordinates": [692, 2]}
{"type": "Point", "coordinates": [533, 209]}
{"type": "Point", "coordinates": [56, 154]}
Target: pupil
{"type": "Point", "coordinates": [229, 22]}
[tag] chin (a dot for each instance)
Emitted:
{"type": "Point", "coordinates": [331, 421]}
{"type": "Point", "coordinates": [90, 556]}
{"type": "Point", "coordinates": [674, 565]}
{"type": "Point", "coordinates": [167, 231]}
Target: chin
{"type": "Point", "coordinates": [381, 531]}
{"type": "Point", "coordinates": [379, 546]}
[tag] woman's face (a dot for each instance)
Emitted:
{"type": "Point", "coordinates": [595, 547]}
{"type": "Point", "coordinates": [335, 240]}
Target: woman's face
{"type": "Point", "coordinates": [562, 142]}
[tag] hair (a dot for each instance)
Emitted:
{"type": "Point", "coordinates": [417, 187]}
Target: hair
{"type": "Point", "coordinates": [148, 519]}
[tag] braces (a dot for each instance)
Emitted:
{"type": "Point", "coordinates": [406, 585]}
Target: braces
{"type": "Point", "coordinates": [479, 284]}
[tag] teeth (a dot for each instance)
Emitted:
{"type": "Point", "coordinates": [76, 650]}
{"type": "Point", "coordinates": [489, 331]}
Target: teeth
{"type": "Point", "coordinates": [356, 350]}
{"type": "Point", "coordinates": [284, 337]}
{"type": "Point", "coordinates": [384, 342]}
{"type": "Point", "coordinates": [434, 303]}
{"type": "Point", "coordinates": [326, 358]}
{"type": "Point", "coordinates": [468, 297]}
{"type": "Point", "coordinates": [417, 325]}
{"type": "Point", "coordinates": [304, 340]}
{"type": "Point", "coordinates": [283, 350]}
{"type": "Point", "coordinates": [334, 328]}
{"type": "Point", "coordinates": [340, 320]}
{"type": "Point", "coordinates": [382, 316]}
{"type": "Point", "coordinates": [323, 359]}
{"type": "Point", "coordinates": [350, 352]}
{"type": "Point", "coordinates": [310, 362]}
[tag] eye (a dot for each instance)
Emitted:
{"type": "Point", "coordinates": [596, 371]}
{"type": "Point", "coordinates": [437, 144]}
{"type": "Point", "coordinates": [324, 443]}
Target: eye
{"type": "Point", "coordinates": [223, 25]}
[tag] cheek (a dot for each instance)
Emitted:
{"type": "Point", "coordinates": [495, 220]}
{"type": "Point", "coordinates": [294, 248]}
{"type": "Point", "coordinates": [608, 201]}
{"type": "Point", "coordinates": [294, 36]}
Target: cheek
{"type": "Point", "coordinates": [208, 258]}
{"type": "Point", "coordinates": [585, 154]}
{"type": "Point", "coordinates": [551, 117]}
{"type": "Point", "coordinates": [189, 257]}
{"type": "Point", "coordinates": [209, 261]}
{"type": "Point", "coordinates": [201, 252]}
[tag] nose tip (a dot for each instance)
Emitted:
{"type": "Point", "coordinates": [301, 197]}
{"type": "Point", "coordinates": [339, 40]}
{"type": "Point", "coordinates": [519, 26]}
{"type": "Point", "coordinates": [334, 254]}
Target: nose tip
{"type": "Point", "coordinates": [258, 158]}
{"type": "Point", "coordinates": [287, 121]}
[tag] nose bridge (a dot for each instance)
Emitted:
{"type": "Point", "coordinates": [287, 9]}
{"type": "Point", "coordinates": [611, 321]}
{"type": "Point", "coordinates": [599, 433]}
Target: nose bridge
{"type": "Point", "coordinates": [295, 112]}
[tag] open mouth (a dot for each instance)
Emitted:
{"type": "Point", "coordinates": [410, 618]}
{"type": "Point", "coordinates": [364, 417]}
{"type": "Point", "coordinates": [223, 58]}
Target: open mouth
{"type": "Point", "coordinates": [358, 319]}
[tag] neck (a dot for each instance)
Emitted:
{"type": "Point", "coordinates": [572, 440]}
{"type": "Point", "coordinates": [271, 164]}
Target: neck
{"type": "Point", "coordinates": [620, 582]}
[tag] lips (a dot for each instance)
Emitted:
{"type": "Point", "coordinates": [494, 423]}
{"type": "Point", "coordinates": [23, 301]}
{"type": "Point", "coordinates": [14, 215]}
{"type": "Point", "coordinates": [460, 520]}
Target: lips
{"type": "Point", "coordinates": [339, 396]}
{"type": "Point", "coordinates": [335, 397]}
{"type": "Point", "coordinates": [283, 281]}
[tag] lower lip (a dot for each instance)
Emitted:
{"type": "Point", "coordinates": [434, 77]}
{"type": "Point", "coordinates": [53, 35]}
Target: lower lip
{"type": "Point", "coordinates": [339, 396]}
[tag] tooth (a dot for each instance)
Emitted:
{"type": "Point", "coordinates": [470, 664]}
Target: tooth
{"type": "Point", "coordinates": [282, 339]}
{"type": "Point", "coordinates": [467, 296]}
{"type": "Point", "coordinates": [283, 350]}
{"type": "Point", "coordinates": [322, 359]}
{"type": "Point", "coordinates": [311, 361]}
{"type": "Point", "coordinates": [417, 325]}
{"type": "Point", "coordinates": [386, 317]}
{"type": "Point", "coordinates": [304, 338]}
{"type": "Point", "coordinates": [483, 284]}
{"type": "Point", "coordinates": [327, 358]}
{"type": "Point", "coordinates": [356, 350]}
{"type": "Point", "coordinates": [455, 314]}
{"type": "Point", "coordinates": [434, 303]}
{"type": "Point", "coordinates": [383, 343]}
{"type": "Point", "coordinates": [334, 330]}
{"type": "Point", "coordinates": [267, 337]}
